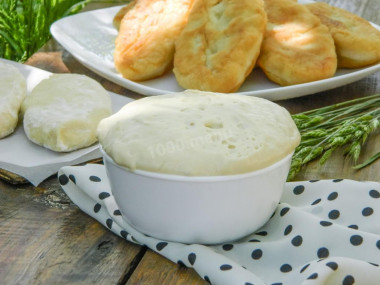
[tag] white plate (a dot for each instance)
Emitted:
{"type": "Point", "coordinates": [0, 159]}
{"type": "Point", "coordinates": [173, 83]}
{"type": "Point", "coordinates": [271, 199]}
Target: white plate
{"type": "Point", "coordinates": [31, 161]}
{"type": "Point", "coordinates": [90, 36]}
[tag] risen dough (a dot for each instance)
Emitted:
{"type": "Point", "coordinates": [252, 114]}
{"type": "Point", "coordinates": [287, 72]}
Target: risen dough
{"type": "Point", "coordinates": [63, 111]}
{"type": "Point", "coordinates": [12, 93]}
{"type": "Point", "coordinates": [297, 48]}
{"type": "Point", "coordinates": [219, 46]}
{"type": "Point", "coordinates": [199, 134]}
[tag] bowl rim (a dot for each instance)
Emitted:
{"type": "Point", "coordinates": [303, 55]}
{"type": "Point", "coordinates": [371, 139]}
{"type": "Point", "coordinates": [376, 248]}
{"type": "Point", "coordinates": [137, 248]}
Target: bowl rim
{"type": "Point", "coordinates": [209, 178]}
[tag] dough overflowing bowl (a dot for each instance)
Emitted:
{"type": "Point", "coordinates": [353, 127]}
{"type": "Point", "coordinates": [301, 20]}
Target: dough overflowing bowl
{"type": "Point", "coordinates": [198, 167]}
{"type": "Point", "coordinates": [197, 209]}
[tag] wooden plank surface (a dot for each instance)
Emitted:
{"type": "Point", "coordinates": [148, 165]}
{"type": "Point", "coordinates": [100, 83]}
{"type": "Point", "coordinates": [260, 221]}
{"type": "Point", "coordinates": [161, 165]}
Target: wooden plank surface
{"type": "Point", "coordinates": [153, 269]}
{"type": "Point", "coordinates": [45, 239]}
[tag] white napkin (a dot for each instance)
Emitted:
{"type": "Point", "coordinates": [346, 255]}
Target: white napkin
{"type": "Point", "coordinates": [322, 232]}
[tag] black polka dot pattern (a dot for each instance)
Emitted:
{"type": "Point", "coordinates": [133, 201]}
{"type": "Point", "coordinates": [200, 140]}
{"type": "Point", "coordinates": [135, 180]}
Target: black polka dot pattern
{"type": "Point", "coordinates": [374, 194]}
{"type": "Point", "coordinates": [325, 223]}
{"type": "Point", "coordinates": [356, 240]}
{"type": "Point", "coordinates": [97, 207]}
{"type": "Point", "coordinates": [254, 240]}
{"type": "Point", "coordinates": [72, 178]}
{"type": "Point", "coordinates": [161, 245]}
{"type": "Point", "coordinates": [333, 265]}
{"type": "Point", "coordinates": [285, 268]}
{"type": "Point", "coordinates": [94, 178]}
{"type": "Point", "coordinates": [332, 196]}
{"type": "Point", "coordinates": [304, 268]}
{"type": "Point", "coordinates": [323, 252]}
{"type": "Point", "coordinates": [104, 195]}
{"type": "Point", "coordinates": [109, 223]}
{"type": "Point", "coordinates": [124, 234]}
{"type": "Point", "coordinates": [227, 246]}
{"type": "Point", "coordinates": [368, 211]}
{"type": "Point", "coordinates": [288, 234]}
{"type": "Point", "coordinates": [288, 230]}
{"type": "Point", "coordinates": [225, 267]}
{"type": "Point", "coordinates": [298, 190]}
{"type": "Point", "coordinates": [354, 227]}
{"type": "Point", "coordinates": [297, 240]}
{"type": "Point", "coordinates": [316, 202]}
{"type": "Point", "coordinates": [135, 240]}
{"type": "Point", "coordinates": [257, 254]}
{"type": "Point", "coordinates": [63, 179]}
{"type": "Point", "coordinates": [192, 257]}
{"type": "Point", "coordinates": [313, 276]}
{"type": "Point", "coordinates": [348, 280]}
{"type": "Point", "coordinates": [284, 211]}
{"type": "Point", "coordinates": [334, 214]}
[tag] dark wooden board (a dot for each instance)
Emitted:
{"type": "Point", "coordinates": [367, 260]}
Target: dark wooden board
{"type": "Point", "coordinates": [45, 239]}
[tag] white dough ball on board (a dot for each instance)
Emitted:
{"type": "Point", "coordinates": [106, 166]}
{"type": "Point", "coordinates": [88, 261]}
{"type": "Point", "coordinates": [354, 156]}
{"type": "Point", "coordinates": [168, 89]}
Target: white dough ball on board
{"type": "Point", "coordinates": [12, 93]}
{"type": "Point", "coordinates": [63, 111]}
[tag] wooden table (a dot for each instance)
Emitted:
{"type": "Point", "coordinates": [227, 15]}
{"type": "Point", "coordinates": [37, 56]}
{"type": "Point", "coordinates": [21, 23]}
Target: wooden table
{"type": "Point", "coordinates": [45, 239]}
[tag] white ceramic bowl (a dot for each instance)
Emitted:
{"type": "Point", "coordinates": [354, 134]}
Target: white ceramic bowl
{"type": "Point", "coordinates": [203, 209]}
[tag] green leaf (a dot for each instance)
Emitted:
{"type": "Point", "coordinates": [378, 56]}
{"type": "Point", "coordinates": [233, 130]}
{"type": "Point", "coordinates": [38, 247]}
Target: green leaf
{"type": "Point", "coordinates": [326, 156]}
{"type": "Point", "coordinates": [24, 25]}
{"type": "Point", "coordinates": [313, 155]}
{"type": "Point", "coordinates": [370, 160]}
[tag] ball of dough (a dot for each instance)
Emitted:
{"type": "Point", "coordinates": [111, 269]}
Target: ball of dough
{"type": "Point", "coordinates": [63, 111]}
{"type": "Point", "coordinates": [219, 46]}
{"type": "Point", "coordinates": [198, 133]}
{"type": "Point", "coordinates": [12, 93]}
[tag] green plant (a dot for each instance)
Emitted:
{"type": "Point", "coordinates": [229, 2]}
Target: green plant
{"type": "Point", "coordinates": [24, 25]}
{"type": "Point", "coordinates": [347, 124]}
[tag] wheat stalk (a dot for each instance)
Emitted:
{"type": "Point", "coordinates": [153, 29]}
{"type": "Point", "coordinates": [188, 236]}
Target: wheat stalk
{"type": "Point", "coordinates": [323, 130]}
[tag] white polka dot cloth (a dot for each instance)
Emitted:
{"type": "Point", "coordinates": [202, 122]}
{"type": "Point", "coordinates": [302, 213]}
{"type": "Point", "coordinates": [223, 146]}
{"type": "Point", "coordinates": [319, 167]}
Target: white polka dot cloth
{"type": "Point", "coordinates": [322, 232]}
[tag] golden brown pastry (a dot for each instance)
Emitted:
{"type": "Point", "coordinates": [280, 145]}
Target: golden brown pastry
{"type": "Point", "coordinates": [120, 15]}
{"type": "Point", "coordinates": [357, 41]}
{"type": "Point", "coordinates": [144, 47]}
{"type": "Point", "coordinates": [219, 45]}
{"type": "Point", "coordinates": [297, 48]}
